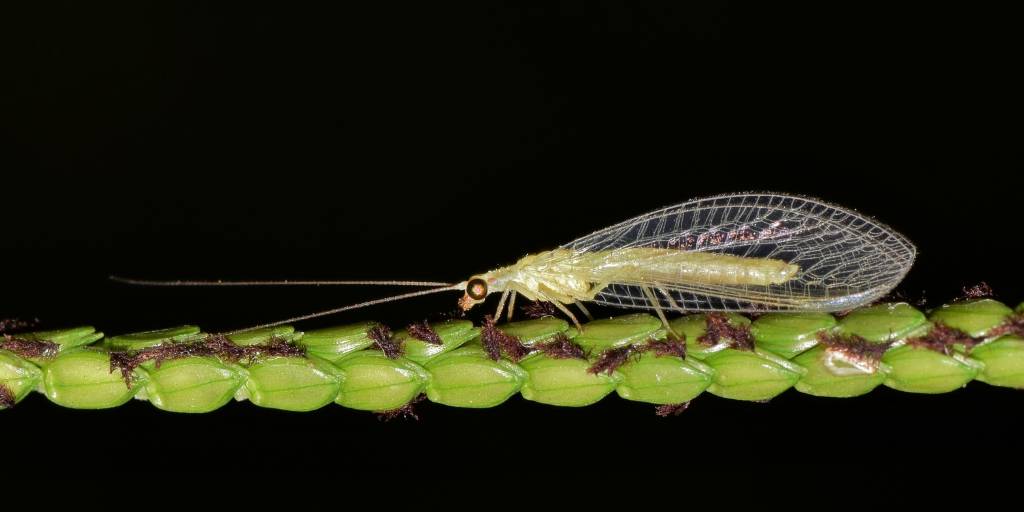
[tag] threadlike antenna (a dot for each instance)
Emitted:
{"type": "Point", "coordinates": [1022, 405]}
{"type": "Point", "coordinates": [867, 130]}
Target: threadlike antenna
{"type": "Point", "coordinates": [219, 282]}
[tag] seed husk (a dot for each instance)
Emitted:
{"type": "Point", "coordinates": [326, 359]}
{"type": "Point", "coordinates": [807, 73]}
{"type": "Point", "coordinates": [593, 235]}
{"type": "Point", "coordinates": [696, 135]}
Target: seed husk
{"type": "Point", "coordinates": [1003, 361]}
{"type": "Point", "coordinates": [789, 334]}
{"type": "Point", "coordinates": [333, 343]}
{"type": "Point", "coordinates": [530, 332]}
{"type": "Point", "coordinates": [450, 335]}
{"type": "Point", "coordinates": [468, 377]}
{"type": "Point", "coordinates": [193, 384]}
{"type": "Point", "coordinates": [564, 382]}
{"type": "Point", "coordinates": [921, 370]}
{"type": "Point", "coordinates": [374, 382]}
{"type": "Point", "coordinates": [751, 376]}
{"type": "Point", "coordinates": [82, 378]}
{"type": "Point", "coordinates": [694, 328]}
{"type": "Point", "coordinates": [883, 322]}
{"type": "Point", "coordinates": [260, 336]}
{"type": "Point", "coordinates": [292, 383]}
{"type": "Point", "coordinates": [974, 317]}
{"type": "Point", "coordinates": [65, 338]}
{"type": "Point", "coordinates": [140, 340]}
{"type": "Point", "coordinates": [620, 331]}
{"type": "Point", "coordinates": [819, 379]}
{"type": "Point", "coordinates": [662, 380]}
{"type": "Point", "coordinates": [18, 377]}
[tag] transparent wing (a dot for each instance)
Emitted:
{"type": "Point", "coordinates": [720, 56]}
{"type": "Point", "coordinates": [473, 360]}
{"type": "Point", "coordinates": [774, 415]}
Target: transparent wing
{"type": "Point", "coordinates": [845, 259]}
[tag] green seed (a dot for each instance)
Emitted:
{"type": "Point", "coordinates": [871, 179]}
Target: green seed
{"type": "Point", "coordinates": [788, 334]}
{"type": "Point", "coordinates": [1020, 307]}
{"type": "Point", "coordinates": [564, 382]}
{"type": "Point", "coordinates": [663, 380]}
{"type": "Point", "coordinates": [1003, 360]}
{"type": "Point", "coordinates": [258, 336]}
{"type": "Point", "coordinates": [333, 343]}
{"type": "Point", "coordinates": [920, 370]}
{"type": "Point", "coordinates": [468, 378]}
{"type": "Point", "coordinates": [974, 317]}
{"type": "Point", "coordinates": [66, 338]}
{"type": "Point", "coordinates": [19, 376]}
{"type": "Point", "coordinates": [884, 322]}
{"type": "Point", "coordinates": [453, 334]}
{"type": "Point", "coordinates": [292, 383]}
{"type": "Point", "coordinates": [620, 331]}
{"type": "Point", "coordinates": [753, 376]}
{"type": "Point", "coordinates": [375, 383]}
{"type": "Point", "coordinates": [531, 332]}
{"type": "Point", "coordinates": [820, 381]}
{"type": "Point", "coordinates": [193, 384]}
{"type": "Point", "coordinates": [141, 340]}
{"type": "Point", "coordinates": [81, 379]}
{"type": "Point", "coordinates": [695, 326]}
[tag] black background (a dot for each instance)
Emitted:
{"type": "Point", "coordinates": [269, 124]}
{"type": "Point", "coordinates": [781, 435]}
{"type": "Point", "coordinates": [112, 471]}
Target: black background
{"type": "Point", "coordinates": [263, 141]}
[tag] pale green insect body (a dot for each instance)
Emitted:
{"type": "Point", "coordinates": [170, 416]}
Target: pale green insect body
{"type": "Point", "coordinates": [568, 276]}
{"type": "Point", "coordinates": [738, 252]}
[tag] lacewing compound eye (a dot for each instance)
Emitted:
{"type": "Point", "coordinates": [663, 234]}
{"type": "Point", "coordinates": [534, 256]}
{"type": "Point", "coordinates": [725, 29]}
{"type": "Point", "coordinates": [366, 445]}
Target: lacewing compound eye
{"type": "Point", "coordinates": [476, 288]}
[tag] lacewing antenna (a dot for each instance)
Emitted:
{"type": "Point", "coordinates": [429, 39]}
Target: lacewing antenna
{"type": "Point", "coordinates": [219, 282]}
{"type": "Point", "coordinates": [393, 298]}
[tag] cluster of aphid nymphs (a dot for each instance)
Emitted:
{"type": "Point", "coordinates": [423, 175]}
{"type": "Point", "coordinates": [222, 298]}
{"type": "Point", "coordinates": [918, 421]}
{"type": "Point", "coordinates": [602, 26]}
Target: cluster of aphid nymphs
{"type": "Point", "coordinates": [217, 345]}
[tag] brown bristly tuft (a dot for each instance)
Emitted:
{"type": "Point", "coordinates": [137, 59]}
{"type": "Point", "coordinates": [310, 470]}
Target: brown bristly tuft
{"type": "Point", "coordinates": [855, 346]}
{"type": "Point", "coordinates": [561, 347]}
{"type": "Point", "coordinates": [941, 338]}
{"type": "Point", "coordinates": [497, 343]}
{"type": "Point", "coordinates": [16, 324]}
{"type": "Point", "coordinates": [612, 359]}
{"type": "Point", "coordinates": [406, 411]}
{"type": "Point", "coordinates": [6, 397]}
{"type": "Point", "coordinates": [1013, 325]}
{"type": "Point", "coordinates": [384, 341]}
{"type": "Point", "coordinates": [29, 348]}
{"type": "Point", "coordinates": [217, 345]}
{"type": "Point", "coordinates": [664, 411]}
{"type": "Point", "coordinates": [667, 347]}
{"type": "Point", "coordinates": [979, 291]}
{"type": "Point", "coordinates": [424, 332]}
{"type": "Point", "coordinates": [718, 328]}
{"type": "Point", "coordinates": [538, 309]}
